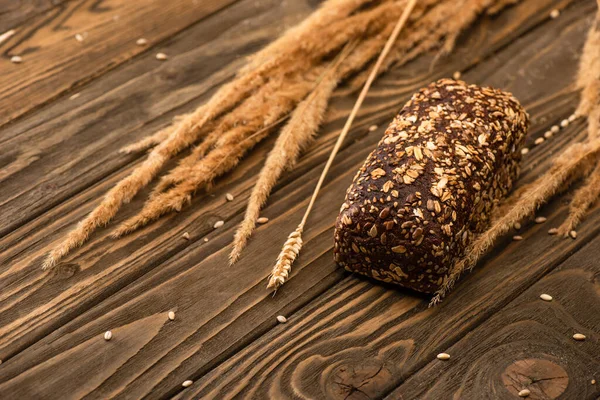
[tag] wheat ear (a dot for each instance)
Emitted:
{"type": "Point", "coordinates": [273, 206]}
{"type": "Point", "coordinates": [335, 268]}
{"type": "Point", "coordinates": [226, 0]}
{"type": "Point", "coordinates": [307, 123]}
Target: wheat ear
{"type": "Point", "coordinates": [297, 134]}
{"type": "Point", "coordinates": [184, 134]}
{"type": "Point", "coordinates": [573, 163]}
{"type": "Point", "coordinates": [216, 163]}
{"type": "Point", "coordinates": [292, 246]}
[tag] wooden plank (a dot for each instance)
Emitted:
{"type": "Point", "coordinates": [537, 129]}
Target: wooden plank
{"type": "Point", "coordinates": [84, 136]}
{"type": "Point", "coordinates": [219, 309]}
{"type": "Point", "coordinates": [55, 62]}
{"type": "Point", "coordinates": [528, 344]}
{"type": "Point", "coordinates": [359, 340]}
{"type": "Point", "coordinates": [72, 144]}
{"type": "Point", "coordinates": [13, 13]}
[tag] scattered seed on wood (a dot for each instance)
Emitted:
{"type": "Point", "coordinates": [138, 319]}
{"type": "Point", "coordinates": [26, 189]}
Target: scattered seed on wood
{"type": "Point", "coordinates": [161, 56]}
{"type": "Point", "coordinates": [564, 123]}
{"type": "Point", "coordinates": [141, 42]}
{"type": "Point", "coordinates": [555, 129]}
{"type": "Point", "coordinates": [593, 381]}
{"type": "Point", "coordinates": [573, 234]}
{"type": "Point", "coordinates": [74, 96]}
{"type": "Point", "coordinates": [554, 14]}
{"type": "Point", "coordinates": [540, 220]}
{"type": "Point", "coordinates": [186, 236]}
{"type": "Point", "coordinates": [524, 393]}
{"type": "Point", "coordinates": [517, 225]}
{"type": "Point", "coordinates": [79, 37]}
{"type": "Point", "coordinates": [443, 356]}
{"type": "Point", "coordinates": [456, 75]}
{"type": "Point", "coordinates": [372, 128]}
{"type": "Point", "coordinates": [548, 134]}
{"type": "Point", "coordinates": [205, 240]}
{"type": "Point", "coordinates": [16, 59]}
{"type": "Point", "coordinates": [218, 224]}
{"type": "Point", "coordinates": [281, 319]}
{"type": "Point", "coordinates": [187, 383]}
{"type": "Point", "coordinates": [262, 220]}
{"type": "Point", "coordinates": [572, 117]}
{"type": "Point", "coordinates": [107, 335]}
{"type": "Point", "coordinates": [7, 35]}
{"type": "Point", "coordinates": [524, 150]}
{"type": "Point", "coordinates": [552, 231]}
{"type": "Point", "coordinates": [229, 197]}
{"type": "Point", "coordinates": [171, 315]}
{"type": "Point", "coordinates": [545, 297]}
{"type": "Point", "coordinates": [579, 336]}
{"type": "Point", "coordinates": [539, 141]}
{"type": "Point", "coordinates": [517, 238]}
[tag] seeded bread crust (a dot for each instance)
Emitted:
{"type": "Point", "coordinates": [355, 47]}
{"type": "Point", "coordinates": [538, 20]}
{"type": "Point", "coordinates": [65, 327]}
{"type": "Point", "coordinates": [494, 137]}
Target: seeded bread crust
{"type": "Point", "coordinates": [430, 185]}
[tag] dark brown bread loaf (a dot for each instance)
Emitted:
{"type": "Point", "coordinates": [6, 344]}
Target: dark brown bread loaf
{"type": "Point", "coordinates": [420, 197]}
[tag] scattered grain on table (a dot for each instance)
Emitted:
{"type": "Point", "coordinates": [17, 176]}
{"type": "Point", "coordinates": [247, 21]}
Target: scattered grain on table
{"type": "Point", "coordinates": [545, 297]}
{"type": "Point", "coordinates": [7, 35]}
{"type": "Point", "coordinates": [524, 393]}
{"type": "Point", "coordinates": [161, 56]}
{"type": "Point", "coordinates": [229, 197]}
{"type": "Point", "coordinates": [218, 224]}
{"type": "Point", "coordinates": [187, 383]}
{"type": "Point", "coordinates": [443, 356]}
{"type": "Point", "coordinates": [108, 335]}
{"type": "Point", "coordinates": [579, 336]}
{"type": "Point", "coordinates": [262, 220]}
{"type": "Point", "coordinates": [281, 319]}
{"type": "Point", "coordinates": [171, 315]}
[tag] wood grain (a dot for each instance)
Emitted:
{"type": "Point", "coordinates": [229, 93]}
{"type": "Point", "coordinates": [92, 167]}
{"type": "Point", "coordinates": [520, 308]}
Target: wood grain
{"type": "Point", "coordinates": [55, 62]}
{"type": "Point", "coordinates": [528, 344]}
{"type": "Point", "coordinates": [13, 13]}
{"type": "Point", "coordinates": [223, 309]}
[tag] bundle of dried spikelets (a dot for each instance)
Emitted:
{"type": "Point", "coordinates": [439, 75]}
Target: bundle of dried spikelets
{"type": "Point", "coordinates": [293, 79]}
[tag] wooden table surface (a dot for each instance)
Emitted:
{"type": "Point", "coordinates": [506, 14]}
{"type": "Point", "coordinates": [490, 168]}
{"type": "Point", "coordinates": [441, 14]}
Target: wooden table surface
{"type": "Point", "coordinates": [67, 109]}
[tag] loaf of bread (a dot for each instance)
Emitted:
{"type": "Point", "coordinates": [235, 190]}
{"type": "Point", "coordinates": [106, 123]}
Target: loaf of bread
{"type": "Point", "coordinates": [449, 156]}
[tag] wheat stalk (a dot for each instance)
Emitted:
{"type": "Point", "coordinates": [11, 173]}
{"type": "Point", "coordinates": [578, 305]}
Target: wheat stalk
{"type": "Point", "coordinates": [293, 245]}
{"type": "Point", "coordinates": [294, 137]}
